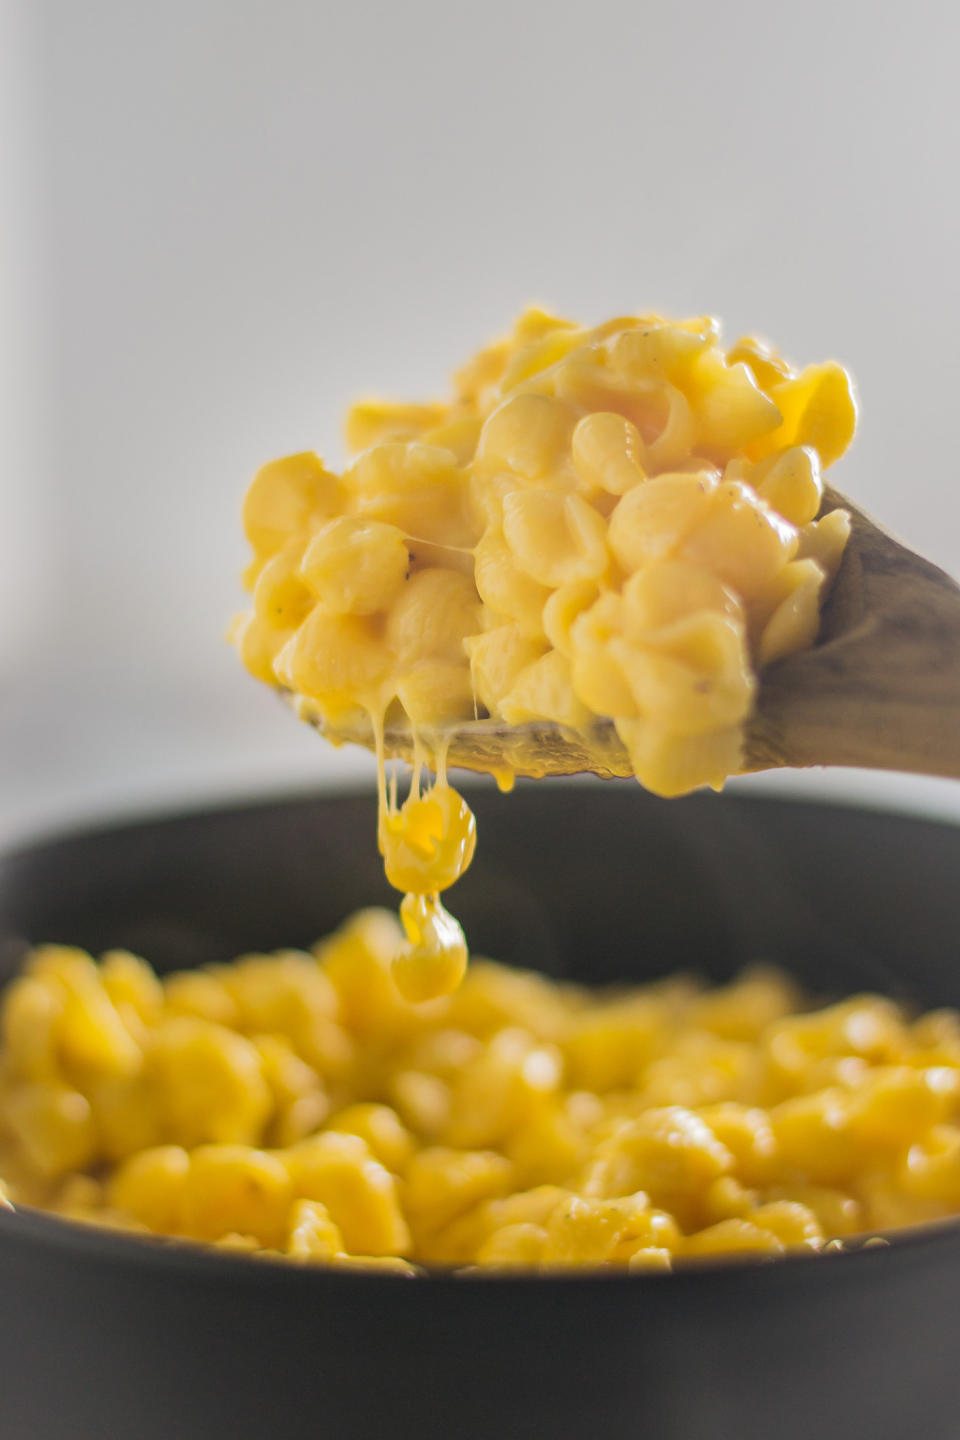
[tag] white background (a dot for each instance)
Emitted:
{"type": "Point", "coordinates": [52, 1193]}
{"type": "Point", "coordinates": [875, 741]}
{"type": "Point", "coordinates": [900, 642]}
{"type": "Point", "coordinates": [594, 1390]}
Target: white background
{"type": "Point", "coordinates": [221, 220]}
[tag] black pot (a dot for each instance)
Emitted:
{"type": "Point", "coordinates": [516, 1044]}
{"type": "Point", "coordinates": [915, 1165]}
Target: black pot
{"type": "Point", "coordinates": [104, 1337]}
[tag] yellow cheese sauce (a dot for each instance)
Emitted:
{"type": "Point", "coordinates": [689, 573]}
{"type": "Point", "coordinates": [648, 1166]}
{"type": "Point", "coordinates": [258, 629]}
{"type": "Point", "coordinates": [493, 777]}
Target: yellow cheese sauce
{"type": "Point", "coordinates": [617, 524]}
{"type": "Point", "coordinates": [295, 1104]}
{"type": "Point", "coordinates": [427, 844]}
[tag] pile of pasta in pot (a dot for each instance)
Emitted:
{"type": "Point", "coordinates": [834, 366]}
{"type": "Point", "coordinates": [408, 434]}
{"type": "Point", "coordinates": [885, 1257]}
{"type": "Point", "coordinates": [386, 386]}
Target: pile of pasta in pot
{"type": "Point", "coordinates": [294, 1104]}
{"type": "Point", "coordinates": [613, 524]}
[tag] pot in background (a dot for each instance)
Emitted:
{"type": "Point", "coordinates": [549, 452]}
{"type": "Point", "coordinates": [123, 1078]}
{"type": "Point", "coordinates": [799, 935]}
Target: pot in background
{"type": "Point", "coordinates": [107, 1337]}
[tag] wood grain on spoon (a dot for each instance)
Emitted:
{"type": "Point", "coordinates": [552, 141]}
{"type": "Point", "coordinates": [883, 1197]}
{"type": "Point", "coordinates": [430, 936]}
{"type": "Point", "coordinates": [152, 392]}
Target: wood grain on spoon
{"type": "Point", "coordinates": [880, 689]}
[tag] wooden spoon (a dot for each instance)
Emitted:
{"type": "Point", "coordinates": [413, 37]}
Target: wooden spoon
{"type": "Point", "coordinates": [879, 690]}
{"type": "Point", "coordinates": [881, 687]}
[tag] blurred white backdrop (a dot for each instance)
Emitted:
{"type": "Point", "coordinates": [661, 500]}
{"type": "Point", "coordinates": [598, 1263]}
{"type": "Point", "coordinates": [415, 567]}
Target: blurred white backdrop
{"type": "Point", "coordinates": [222, 220]}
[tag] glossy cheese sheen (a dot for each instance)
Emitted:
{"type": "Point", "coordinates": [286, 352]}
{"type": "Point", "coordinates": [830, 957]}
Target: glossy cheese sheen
{"type": "Point", "coordinates": [613, 523]}
{"type": "Point", "coordinates": [427, 845]}
{"type": "Point", "coordinates": [429, 842]}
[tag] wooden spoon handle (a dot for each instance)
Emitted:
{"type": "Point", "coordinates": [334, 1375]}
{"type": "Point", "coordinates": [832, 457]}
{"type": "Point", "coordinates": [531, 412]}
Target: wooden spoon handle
{"type": "Point", "coordinates": [881, 688]}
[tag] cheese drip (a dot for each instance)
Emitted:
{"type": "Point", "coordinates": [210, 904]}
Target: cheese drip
{"type": "Point", "coordinates": [426, 844]}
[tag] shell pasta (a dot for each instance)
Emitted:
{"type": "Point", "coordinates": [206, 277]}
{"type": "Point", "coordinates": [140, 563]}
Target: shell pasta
{"type": "Point", "coordinates": [295, 1104]}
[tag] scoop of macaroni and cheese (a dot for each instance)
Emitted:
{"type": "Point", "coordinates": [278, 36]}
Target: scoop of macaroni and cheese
{"type": "Point", "coordinates": [617, 523]}
{"type": "Point", "coordinates": [614, 524]}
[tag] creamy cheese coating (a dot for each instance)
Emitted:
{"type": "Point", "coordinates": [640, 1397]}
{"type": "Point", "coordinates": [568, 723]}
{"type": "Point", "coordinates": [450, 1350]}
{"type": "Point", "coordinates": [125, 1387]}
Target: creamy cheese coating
{"type": "Point", "coordinates": [610, 524]}
{"type": "Point", "coordinates": [297, 1104]}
